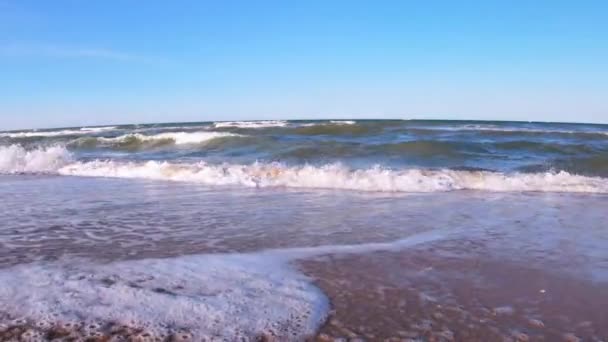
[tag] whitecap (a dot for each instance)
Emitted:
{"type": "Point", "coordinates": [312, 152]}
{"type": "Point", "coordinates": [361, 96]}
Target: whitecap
{"type": "Point", "coordinates": [16, 159]}
{"type": "Point", "coordinates": [250, 124]}
{"type": "Point", "coordinates": [57, 133]}
{"type": "Point", "coordinates": [343, 122]}
{"type": "Point", "coordinates": [179, 138]}
{"type": "Point", "coordinates": [336, 176]}
{"type": "Point", "coordinates": [58, 160]}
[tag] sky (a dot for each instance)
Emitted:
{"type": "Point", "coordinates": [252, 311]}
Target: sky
{"type": "Point", "coordinates": [75, 62]}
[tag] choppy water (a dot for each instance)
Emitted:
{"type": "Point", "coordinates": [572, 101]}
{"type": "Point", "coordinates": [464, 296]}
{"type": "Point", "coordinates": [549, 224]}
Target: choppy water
{"type": "Point", "coordinates": [407, 156]}
{"type": "Point", "coordinates": [193, 227]}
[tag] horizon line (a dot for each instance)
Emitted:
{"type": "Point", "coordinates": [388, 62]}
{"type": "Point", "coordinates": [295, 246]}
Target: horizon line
{"type": "Point", "coordinates": [326, 119]}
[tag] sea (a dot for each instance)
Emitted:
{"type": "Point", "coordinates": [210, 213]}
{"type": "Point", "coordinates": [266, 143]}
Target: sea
{"type": "Point", "coordinates": [306, 230]}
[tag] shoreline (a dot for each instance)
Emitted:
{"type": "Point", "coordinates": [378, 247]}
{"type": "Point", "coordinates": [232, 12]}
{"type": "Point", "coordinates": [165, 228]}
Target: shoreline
{"type": "Point", "coordinates": [429, 292]}
{"type": "Point", "coordinates": [415, 294]}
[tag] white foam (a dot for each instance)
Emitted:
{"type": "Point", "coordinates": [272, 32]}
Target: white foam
{"type": "Point", "coordinates": [98, 129]}
{"type": "Point", "coordinates": [492, 128]}
{"type": "Point", "coordinates": [326, 123]}
{"type": "Point", "coordinates": [343, 122]}
{"type": "Point", "coordinates": [250, 124]}
{"type": "Point", "coordinates": [65, 132]}
{"type": "Point", "coordinates": [42, 134]}
{"type": "Point", "coordinates": [336, 176]}
{"type": "Point", "coordinates": [227, 296]}
{"type": "Point", "coordinates": [179, 138]}
{"type": "Point", "coordinates": [16, 159]}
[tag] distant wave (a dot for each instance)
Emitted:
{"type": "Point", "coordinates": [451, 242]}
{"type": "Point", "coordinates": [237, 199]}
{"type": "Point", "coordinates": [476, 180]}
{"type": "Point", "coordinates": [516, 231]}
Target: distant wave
{"type": "Point", "coordinates": [57, 160]}
{"type": "Point", "coordinates": [98, 129]}
{"type": "Point", "coordinates": [405, 149]}
{"type": "Point", "coordinates": [278, 123]}
{"type": "Point", "coordinates": [490, 128]}
{"type": "Point", "coordinates": [65, 132]}
{"type": "Point", "coordinates": [592, 165]}
{"type": "Point", "coordinates": [135, 140]}
{"type": "Point", "coordinates": [250, 124]}
{"type": "Point", "coordinates": [336, 128]}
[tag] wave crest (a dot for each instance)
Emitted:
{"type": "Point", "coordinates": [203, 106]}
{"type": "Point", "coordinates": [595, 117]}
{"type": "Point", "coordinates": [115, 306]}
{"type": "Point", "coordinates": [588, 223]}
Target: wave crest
{"type": "Point", "coordinates": [16, 159]}
{"type": "Point", "coordinates": [250, 124]}
{"type": "Point", "coordinates": [57, 133]}
{"type": "Point", "coordinates": [507, 130]}
{"type": "Point", "coordinates": [98, 129]}
{"type": "Point", "coordinates": [336, 176]}
{"type": "Point", "coordinates": [58, 160]}
{"type": "Point", "coordinates": [137, 140]}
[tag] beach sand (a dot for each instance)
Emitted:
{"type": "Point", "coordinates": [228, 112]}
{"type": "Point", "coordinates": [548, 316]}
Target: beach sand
{"type": "Point", "coordinates": [419, 295]}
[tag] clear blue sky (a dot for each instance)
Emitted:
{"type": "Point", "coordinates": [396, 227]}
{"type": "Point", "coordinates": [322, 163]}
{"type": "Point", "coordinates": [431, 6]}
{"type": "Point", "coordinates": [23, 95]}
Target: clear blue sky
{"type": "Point", "coordinates": [65, 63]}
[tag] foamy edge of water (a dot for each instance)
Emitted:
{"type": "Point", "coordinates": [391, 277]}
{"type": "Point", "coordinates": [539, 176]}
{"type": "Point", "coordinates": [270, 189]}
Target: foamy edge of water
{"type": "Point", "coordinates": [231, 296]}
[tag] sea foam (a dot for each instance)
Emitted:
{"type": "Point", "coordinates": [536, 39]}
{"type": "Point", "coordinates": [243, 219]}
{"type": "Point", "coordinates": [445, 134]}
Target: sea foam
{"type": "Point", "coordinates": [178, 138]}
{"type": "Point", "coordinates": [57, 160]}
{"type": "Point", "coordinates": [495, 128]}
{"type": "Point", "coordinates": [250, 124]}
{"type": "Point", "coordinates": [98, 129]}
{"type": "Point", "coordinates": [232, 297]}
{"type": "Point", "coordinates": [343, 122]}
{"type": "Point", "coordinates": [336, 176]}
{"type": "Point", "coordinates": [16, 159]}
{"type": "Point", "coordinates": [201, 297]}
{"type": "Point", "coordinates": [57, 133]}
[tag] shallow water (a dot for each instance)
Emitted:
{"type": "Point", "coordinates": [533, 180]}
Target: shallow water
{"type": "Point", "coordinates": [219, 252]}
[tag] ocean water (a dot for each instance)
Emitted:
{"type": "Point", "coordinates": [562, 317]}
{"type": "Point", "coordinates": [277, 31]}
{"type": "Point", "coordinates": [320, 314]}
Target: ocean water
{"type": "Point", "coordinates": [403, 156]}
{"type": "Point", "coordinates": [195, 230]}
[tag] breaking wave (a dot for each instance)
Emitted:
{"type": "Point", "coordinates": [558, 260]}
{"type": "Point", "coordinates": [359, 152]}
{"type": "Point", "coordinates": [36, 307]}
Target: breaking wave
{"type": "Point", "coordinates": [16, 159]}
{"type": "Point", "coordinates": [518, 130]}
{"type": "Point", "coordinates": [137, 140]}
{"type": "Point", "coordinates": [336, 176]}
{"type": "Point", "coordinates": [98, 129]}
{"type": "Point", "coordinates": [279, 124]}
{"type": "Point", "coordinates": [64, 132]}
{"type": "Point", "coordinates": [343, 122]}
{"type": "Point", "coordinates": [57, 160]}
{"type": "Point", "coordinates": [250, 124]}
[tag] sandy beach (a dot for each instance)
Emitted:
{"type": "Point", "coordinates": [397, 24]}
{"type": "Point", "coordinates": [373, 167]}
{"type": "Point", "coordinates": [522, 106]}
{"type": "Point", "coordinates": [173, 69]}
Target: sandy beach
{"type": "Point", "coordinates": [419, 294]}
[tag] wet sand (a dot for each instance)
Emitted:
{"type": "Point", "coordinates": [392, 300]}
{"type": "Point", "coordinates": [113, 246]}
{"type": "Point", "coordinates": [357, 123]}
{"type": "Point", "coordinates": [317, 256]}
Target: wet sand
{"type": "Point", "coordinates": [438, 292]}
{"type": "Point", "coordinates": [421, 295]}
